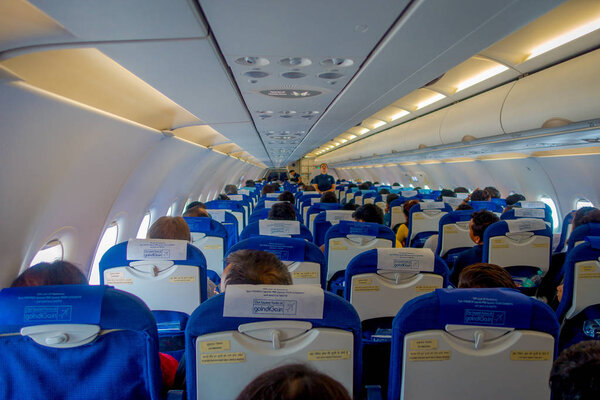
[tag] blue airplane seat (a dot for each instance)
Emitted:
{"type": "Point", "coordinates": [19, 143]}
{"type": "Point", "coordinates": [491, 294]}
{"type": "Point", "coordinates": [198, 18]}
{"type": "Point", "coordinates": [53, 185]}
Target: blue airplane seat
{"type": "Point", "coordinates": [235, 207]}
{"type": "Point", "coordinates": [518, 212]}
{"type": "Point", "coordinates": [348, 239]}
{"type": "Point", "coordinates": [315, 209]}
{"type": "Point", "coordinates": [464, 339]}
{"type": "Point", "coordinates": [371, 198]}
{"type": "Point", "coordinates": [500, 202]}
{"type": "Point", "coordinates": [229, 222]}
{"type": "Point", "coordinates": [250, 342]}
{"type": "Point", "coordinates": [583, 326]}
{"type": "Point", "coordinates": [581, 232]}
{"type": "Point", "coordinates": [523, 246]}
{"type": "Point", "coordinates": [581, 271]}
{"type": "Point", "coordinates": [454, 236]}
{"type": "Point", "coordinates": [254, 229]}
{"type": "Point", "coordinates": [424, 221]}
{"type": "Point", "coordinates": [171, 332]}
{"type": "Point", "coordinates": [258, 214]}
{"type": "Point", "coordinates": [305, 261]}
{"type": "Point", "coordinates": [565, 231]}
{"type": "Point", "coordinates": [491, 206]}
{"type": "Point", "coordinates": [211, 238]}
{"type": "Point", "coordinates": [77, 342]}
{"type": "Point", "coordinates": [325, 219]}
{"type": "Point", "coordinates": [397, 211]}
{"type": "Point", "coordinates": [165, 274]}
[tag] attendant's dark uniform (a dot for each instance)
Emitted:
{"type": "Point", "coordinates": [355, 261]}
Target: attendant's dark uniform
{"type": "Point", "coordinates": [323, 181]}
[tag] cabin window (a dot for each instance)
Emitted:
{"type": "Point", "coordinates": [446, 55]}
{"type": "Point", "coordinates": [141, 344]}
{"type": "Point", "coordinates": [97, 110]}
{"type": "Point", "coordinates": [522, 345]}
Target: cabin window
{"type": "Point", "coordinates": [108, 239]}
{"type": "Point", "coordinates": [141, 233]}
{"type": "Point", "coordinates": [414, 178]}
{"type": "Point", "coordinates": [555, 217]}
{"type": "Point", "coordinates": [426, 187]}
{"type": "Point", "coordinates": [583, 203]}
{"type": "Point", "coordinates": [170, 211]}
{"type": "Point", "coordinates": [52, 251]}
{"type": "Point", "coordinates": [187, 203]}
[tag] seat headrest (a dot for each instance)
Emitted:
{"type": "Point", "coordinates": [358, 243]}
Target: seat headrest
{"type": "Point", "coordinates": [286, 249]}
{"type": "Point", "coordinates": [525, 225]}
{"type": "Point", "coordinates": [278, 227]}
{"type": "Point", "coordinates": [156, 249]}
{"type": "Point", "coordinates": [358, 228]}
{"type": "Point", "coordinates": [405, 259]}
{"type": "Point", "coordinates": [594, 241]}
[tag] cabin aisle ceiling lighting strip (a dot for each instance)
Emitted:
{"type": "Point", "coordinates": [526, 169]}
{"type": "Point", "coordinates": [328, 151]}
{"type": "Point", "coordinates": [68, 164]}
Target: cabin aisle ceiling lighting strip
{"type": "Point", "coordinates": [564, 39]}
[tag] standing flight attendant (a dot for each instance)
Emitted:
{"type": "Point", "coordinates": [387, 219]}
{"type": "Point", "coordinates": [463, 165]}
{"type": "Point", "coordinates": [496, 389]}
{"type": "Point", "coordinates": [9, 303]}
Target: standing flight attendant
{"type": "Point", "coordinates": [323, 182]}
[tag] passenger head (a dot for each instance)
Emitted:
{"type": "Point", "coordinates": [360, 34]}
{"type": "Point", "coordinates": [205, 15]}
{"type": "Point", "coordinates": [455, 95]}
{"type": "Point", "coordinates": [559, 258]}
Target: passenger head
{"type": "Point", "coordinates": [196, 212]}
{"type": "Point", "coordinates": [267, 189]}
{"type": "Point", "coordinates": [384, 191]}
{"type": "Point", "coordinates": [324, 168]}
{"type": "Point", "coordinates": [368, 213]}
{"type": "Point", "coordinates": [223, 196]}
{"type": "Point", "coordinates": [328, 197]}
{"type": "Point", "coordinates": [230, 189]}
{"type": "Point", "coordinates": [293, 382]}
{"type": "Point", "coordinates": [388, 200]}
{"type": "Point", "coordinates": [309, 188]}
{"type": "Point", "coordinates": [447, 193]}
{"type": "Point", "coordinates": [364, 186]}
{"type": "Point", "coordinates": [464, 206]}
{"type": "Point", "coordinates": [352, 185]}
{"type": "Point", "coordinates": [480, 195]}
{"type": "Point", "coordinates": [195, 204]}
{"type": "Point", "coordinates": [292, 171]}
{"type": "Point", "coordinates": [286, 196]}
{"type": "Point", "coordinates": [249, 183]}
{"type": "Point", "coordinates": [480, 220]}
{"type": "Point", "coordinates": [494, 193]}
{"type": "Point", "coordinates": [169, 228]}
{"type": "Point", "coordinates": [408, 205]}
{"type": "Point", "coordinates": [482, 275]}
{"type": "Point", "coordinates": [349, 206]}
{"type": "Point", "coordinates": [461, 189]}
{"type": "Point", "coordinates": [575, 374]}
{"type": "Point", "coordinates": [514, 199]}
{"type": "Point", "coordinates": [301, 187]}
{"type": "Point", "coordinates": [282, 211]}
{"type": "Point", "coordinates": [585, 215]}
{"type": "Point", "coordinates": [254, 267]}
{"type": "Point", "coordinates": [395, 184]}
{"type": "Point", "coordinates": [55, 273]}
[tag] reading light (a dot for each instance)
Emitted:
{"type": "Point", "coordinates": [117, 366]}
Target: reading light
{"type": "Point", "coordinates": [399, 115]}
{"type": "Point", "coordinates": [563, 39]}
{"type": "Point", "coordinates": [343, 140]}
{"type": "Point", "coordinates": [363, 131]}
{"type": "Point", "coordinates": [336, 144]}
{"type": "Point", "coordinates": [431, 100]}
{"type": "Point", "coordinates": [352, 137]}
{"type": "Point", "coordinates": [481, 77]}
{"type": "Point", "coordinates": [377, 125]}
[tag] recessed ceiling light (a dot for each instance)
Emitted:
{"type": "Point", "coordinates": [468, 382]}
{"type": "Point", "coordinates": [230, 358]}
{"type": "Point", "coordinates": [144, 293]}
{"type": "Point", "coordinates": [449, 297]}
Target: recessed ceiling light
{"type": "Point", "coordinates": [378, 124]}
{"type": "Point", "coordinates": [352, 137]}
{"type": "Point", "coordinates": [399, 115]}
{"type": "Point", "coordinates": [337, 62]}
{"type": "Point", "coordinates": [565, 38]}
{"type": "Point", "coordinates": [363, 131]}
{"type": "Point", "coordinates": [431, 100]}
{"type": "Point", "coordinates": [252, 61]}
{"type": "Point", "coordinates": [295, 62]}
{"type": "Point", "coordinates": [343, 140]}
{"type": "Point", "coordinates": [481, 77]}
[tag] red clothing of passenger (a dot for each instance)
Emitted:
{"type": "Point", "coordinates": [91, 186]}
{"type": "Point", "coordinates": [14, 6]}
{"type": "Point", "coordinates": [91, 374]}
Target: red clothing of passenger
{"type": "Point", "coordinates": [168, 367]}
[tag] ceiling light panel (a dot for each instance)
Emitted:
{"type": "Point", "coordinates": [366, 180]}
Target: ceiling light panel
{"type": "Point", "coordinates": [282, 54]}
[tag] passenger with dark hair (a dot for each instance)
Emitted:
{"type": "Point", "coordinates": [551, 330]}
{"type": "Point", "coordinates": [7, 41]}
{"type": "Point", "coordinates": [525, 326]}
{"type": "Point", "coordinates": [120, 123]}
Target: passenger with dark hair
{"type": "Point", "coordinates": [230, 189]}
{"type": "Point", "coordinates": [402, 233]}
{"type": "Point", "coordinates": [196, 212]}
{"type": "Point", "coordinates": [461, 189]}
{"type": "Point", "coordinates": [494, 193]}
{"type": "Point", "coordinates": [249, 183]}
{"type": "Point", "coordinates": [267, 189]}
{"type": "Point", "coordinates": [480, 220]}
{"type": "Point", "coordinates": [293, 382]}
{"type": "Point", "coordinates": [287, 196]}
{"type": "Point", "coordinates": [223, 196]}
{"type": "Point", "coordinates": [575, 374]}
{"type": "Point", "coordinates": [328, 197]}
{"type": "Point", "coordinates": [585, 215]}
{"type": "Point", "coordinates": [384, 191]}
{"type": "Point", "coordinates": [254, 267]}
{"type": "Point", "coordinates": [479, 195]}
{"type": "Point", "coordinates": [364, 186]}
{"type": "Point", "coordinates": [395, 184]}
{"type": "Point", "coordinates": [323, 182]}
{"type": "Point", "coordinates": [514, 199]}
{"type": "Point", "coordinates": [368, 213]}
{"type": "Point", "coordinates": [195, 204]}
{"type": "Point", "coordinates": [446, 193]}
{"type": "Point", "coordinates": [283, 211]}
{"type": "Point", "coordinates": [349, 207]}
{"type": "Point", "coordinates": [483, 275]}
{"type": "Point", "coordinates": [309, 188]}
{"type": "Point", "coordinates": [47, 274]}
{"type": "Point", "coordinates": [464, 206]}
